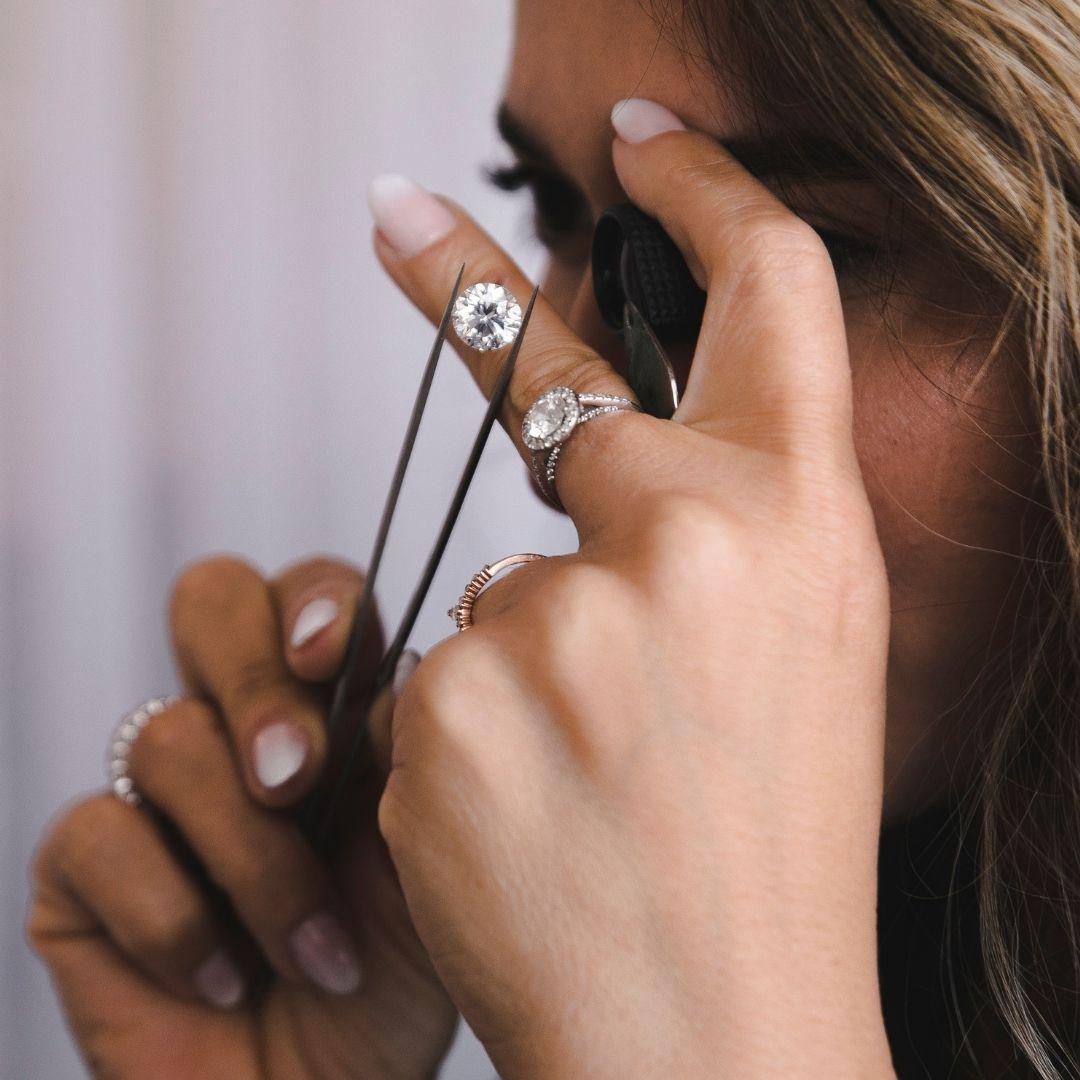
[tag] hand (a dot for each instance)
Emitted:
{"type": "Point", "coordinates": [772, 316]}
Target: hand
{"type": "Point", "coordinates": [155, 978]}
{"type": "Point", "coordinates": [635, 809]}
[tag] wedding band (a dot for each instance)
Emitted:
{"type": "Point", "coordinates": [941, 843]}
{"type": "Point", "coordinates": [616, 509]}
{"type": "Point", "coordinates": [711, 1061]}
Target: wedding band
{"type": "Point", "coordinates": [552, 419]}
{"type": "Point", "coordinates": [123, 739]}
{"type": "Point", "coordinates": [462, 611]}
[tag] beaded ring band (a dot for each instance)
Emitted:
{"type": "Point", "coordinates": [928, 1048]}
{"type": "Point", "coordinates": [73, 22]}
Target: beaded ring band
{"type": "Point", "coordinates": [123, 738]}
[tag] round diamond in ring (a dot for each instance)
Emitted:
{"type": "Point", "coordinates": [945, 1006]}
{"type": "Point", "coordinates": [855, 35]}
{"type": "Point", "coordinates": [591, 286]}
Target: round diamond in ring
{"type": "Point", "coordinates": [487, 316]}
{"type": "Point", "coordinates": [551, 418]}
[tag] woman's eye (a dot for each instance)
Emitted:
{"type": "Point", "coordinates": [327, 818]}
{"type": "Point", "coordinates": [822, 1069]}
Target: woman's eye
{"type": "Point", "coordinates": [563, 221]}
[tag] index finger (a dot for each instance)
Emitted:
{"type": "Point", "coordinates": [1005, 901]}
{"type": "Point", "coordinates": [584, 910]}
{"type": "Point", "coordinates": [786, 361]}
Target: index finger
{"type": "Point", "coordinates": [422, 242]}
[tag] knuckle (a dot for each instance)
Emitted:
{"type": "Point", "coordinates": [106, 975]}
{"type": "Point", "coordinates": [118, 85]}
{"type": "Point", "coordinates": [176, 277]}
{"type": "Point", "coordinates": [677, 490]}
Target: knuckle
{"type": "Point", "coordinates": [176, 735]}
{"type": "Point", "coordinates": [81, 829]}
{"type": "Point", "coordinates": [440, 697]}
{"type": "Point", "coordinates": [213, 583]}
{"type": "Point", "coordinates": [91, 818]}
{"type": "Point", "coordinates": [708, 180]}
{"type": "Point", "coordinates": [168, 931]}
{"type": "Point", "coordinates": [555, 364]}
{"type": "Point", "coordinates": [775, 242]}
{"type": "Point", "coordinates": [318, 568]}
{"type": "Point", "coordinates": [684, 522]}
{"type": "Point", "coordinates": [684, 541]}
{"type": "Point", "coordinates": [255, 678]}
{"type": "Point", "coordinates": [439, 673]}
{"type": "Point", "coordinates": [570, 598]}
{"type": "Point", "coordinates": [584, 603]}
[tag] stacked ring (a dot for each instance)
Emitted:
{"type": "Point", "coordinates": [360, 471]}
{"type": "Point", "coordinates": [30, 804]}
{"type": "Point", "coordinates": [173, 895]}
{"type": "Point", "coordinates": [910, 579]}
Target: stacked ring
{"type": "Point", "coordinates": [462, 611]}
{"type": "Point", "coordinates": [552, 419]}
{"type": "Point", "coordinates": [127, 731]}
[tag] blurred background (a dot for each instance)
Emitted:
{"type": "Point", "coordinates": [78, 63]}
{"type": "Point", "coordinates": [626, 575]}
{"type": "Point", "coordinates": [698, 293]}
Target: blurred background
{"type": "Point", "coordinates": [201, 354]}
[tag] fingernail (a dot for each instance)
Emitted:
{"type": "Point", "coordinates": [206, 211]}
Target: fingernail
{"type": "Point", "coordinates": [407, 663]}
{"type": "Point", "coordinates": [637, 119]}
{"type": "Point", "coordinates": [280, 751]}
{"type": "Point", "coordinates": [323, 951]}
{"type": "Point", "coordinates": [313, 618]}
{"type": "Point", "coordinates": [219, 982]}
{"type": "Point", "coordinates": [409, 217]}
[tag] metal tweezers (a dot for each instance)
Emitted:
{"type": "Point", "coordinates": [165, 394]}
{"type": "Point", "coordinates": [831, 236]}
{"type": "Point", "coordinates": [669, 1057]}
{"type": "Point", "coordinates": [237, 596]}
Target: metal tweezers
{"type": "Point", "coordinates": [318, 815]}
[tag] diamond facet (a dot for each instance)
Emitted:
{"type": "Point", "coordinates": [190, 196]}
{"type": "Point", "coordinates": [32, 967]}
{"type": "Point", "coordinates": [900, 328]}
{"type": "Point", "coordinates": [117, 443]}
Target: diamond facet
{"type": "Point", "coordinates": [551, 419]}
{"type": "Point", "coordinates": [487, 316]}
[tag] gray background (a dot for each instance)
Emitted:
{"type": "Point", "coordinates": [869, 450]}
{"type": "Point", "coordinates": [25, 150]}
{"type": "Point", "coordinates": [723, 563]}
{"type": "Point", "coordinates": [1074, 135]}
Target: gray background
{"type": "Point", "coordinates": [200, 353]}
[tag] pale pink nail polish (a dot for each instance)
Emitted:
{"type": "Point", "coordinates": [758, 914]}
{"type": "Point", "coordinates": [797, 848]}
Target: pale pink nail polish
{"type": "Point", "coordinates": [325, 954]}
{"type": "Point", "coordinates": [279, 752]}
{"type": "Point", "coordinates": [638, 119]}
{"type": "Point", "coordinates": [219, 982]}
{"type": "Point", "coordinates": [315, 616]}
{"type": "Point", "coordinates": [409, 217]}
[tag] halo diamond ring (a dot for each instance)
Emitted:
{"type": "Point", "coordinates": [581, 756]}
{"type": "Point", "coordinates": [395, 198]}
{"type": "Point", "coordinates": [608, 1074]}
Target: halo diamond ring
{"type": "Point", "coordinates": [552, 419]}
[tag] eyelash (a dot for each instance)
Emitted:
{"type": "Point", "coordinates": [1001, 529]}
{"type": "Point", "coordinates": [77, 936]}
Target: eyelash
{"type": "Point", "coordinates": [562, 215]}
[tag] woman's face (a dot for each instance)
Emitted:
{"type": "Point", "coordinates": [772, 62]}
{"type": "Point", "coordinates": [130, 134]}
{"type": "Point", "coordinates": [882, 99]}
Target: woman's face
{"type": "Point", "coordinates": [942, 442]}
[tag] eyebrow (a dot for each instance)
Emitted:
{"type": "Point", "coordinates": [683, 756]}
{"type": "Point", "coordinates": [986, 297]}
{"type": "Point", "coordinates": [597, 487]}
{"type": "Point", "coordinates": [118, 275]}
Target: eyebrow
{"type": "Point", "coordinates": [793, 156]}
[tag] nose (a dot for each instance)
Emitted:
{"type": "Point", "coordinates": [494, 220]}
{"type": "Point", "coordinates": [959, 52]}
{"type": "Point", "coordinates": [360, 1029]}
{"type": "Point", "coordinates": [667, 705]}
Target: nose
{"type": "Point", "coordinates": [570, 291]}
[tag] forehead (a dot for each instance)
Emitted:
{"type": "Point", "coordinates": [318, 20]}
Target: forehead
{"type": "Point", "coordinates": [573, 59]}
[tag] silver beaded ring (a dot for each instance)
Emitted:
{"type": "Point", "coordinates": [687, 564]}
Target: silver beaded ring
{"type": "Point", "coordinates": [552, 419]}
{"type": "Point", "coordinates": [123, 738]}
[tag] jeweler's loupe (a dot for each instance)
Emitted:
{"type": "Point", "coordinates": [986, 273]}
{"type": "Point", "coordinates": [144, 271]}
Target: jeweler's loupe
{"type": "Point", "coordinates": [645, 290]}
{"type": "Point", "coordinates": [634, 259]}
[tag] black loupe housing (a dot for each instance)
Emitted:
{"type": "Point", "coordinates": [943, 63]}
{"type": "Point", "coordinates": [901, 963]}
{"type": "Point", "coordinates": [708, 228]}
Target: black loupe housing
{"type": "Point", "coordinates": [634, 259]}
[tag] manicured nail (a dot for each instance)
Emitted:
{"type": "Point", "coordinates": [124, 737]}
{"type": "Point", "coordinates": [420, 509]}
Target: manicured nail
{"type": "Point", "coordinates": [407, 663]}
{"type": "Point", "coordinates": [314, 617]}
{"type": "Point", "coordinates": [409, 217]}
{"type": "Point", "coordinates": [637, 119]}
{"type": "Point", "coordinates": [280, 751]}
{"type": "Point", "coordinates": [219, 982]}
{"type": "Point", "coordinates": [323, 951]}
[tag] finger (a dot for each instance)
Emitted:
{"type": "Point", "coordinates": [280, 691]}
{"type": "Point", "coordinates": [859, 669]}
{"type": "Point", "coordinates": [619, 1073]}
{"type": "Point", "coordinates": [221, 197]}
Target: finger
{"type": "Point", "coordinates": [105, 865]}
{"type": "Point", "coordinates": [316, 600]}
{"type": "Point", "coordinates": [773, 348]}
{"type": "Point", "coordinates": [228, 644]}
{"type": "Point", "coordinates": [182, 764]}
{"type": "Point", "coordinates": [422, 242]}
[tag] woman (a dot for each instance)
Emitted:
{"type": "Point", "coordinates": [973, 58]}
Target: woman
{"type": "Point", "coordinates": [633, 817]}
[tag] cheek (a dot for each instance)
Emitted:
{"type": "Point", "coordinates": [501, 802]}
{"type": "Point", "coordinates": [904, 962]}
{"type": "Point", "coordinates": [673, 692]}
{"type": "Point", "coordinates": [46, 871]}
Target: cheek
{"type": "Point", "coordinates": [949, 468]}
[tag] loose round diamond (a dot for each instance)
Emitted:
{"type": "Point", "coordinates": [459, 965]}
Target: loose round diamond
{"type": "Point", "coordinates": [550, 419]}
{"type": "Point", "coordinates": [487, 317]}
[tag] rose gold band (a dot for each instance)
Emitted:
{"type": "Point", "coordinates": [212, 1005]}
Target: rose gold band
{"type": "Point", "coordinates": [461, 612]}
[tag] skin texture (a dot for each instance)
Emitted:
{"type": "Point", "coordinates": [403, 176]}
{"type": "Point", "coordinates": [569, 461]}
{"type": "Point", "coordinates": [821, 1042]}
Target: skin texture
{"type": "Point", "coordinates": [944, 444]}
{"type": "Point", "coordinates": [791, 583]}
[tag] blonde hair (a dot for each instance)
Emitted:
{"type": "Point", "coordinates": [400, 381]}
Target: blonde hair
{"type": "Point", "coordinates": [968, 113]}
